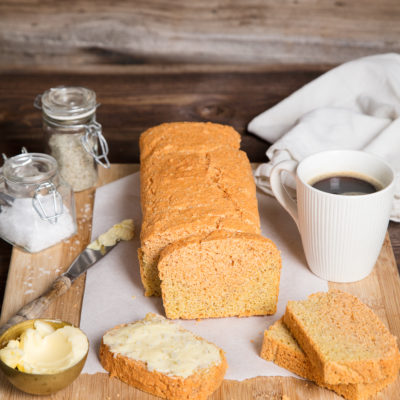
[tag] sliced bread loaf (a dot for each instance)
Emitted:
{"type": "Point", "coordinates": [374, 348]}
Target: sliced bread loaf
{"type": "Point", "coordinates": [163, 359]}
{"type": "Point", "coordinates": [220, 275]}
{"type": "Point", "coordinates": [343, 338]}
{"type": "Point", "coordinates": [281, 347]}
{"type": "Point", "coordinates": [194, 180]}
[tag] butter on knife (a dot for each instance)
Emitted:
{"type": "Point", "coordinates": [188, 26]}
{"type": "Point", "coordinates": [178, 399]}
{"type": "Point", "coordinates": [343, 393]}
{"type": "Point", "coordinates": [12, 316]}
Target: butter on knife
{"type": "Point", "coordinates": [125, 230]}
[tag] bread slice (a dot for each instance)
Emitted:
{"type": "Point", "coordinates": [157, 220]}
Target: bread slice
{"type": "Point", "coordinates": [281, 347]}
{"type": "Point", "coordinates": [161, 358]}
{"type": "Point", "coordinates": [223, 274]}
{"type": "Point", "coordinates": [343, 339]}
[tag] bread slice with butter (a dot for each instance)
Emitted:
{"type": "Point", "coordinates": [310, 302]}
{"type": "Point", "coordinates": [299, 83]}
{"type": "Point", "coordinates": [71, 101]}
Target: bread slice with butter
{"type": "Point", "coordinates": [161, 358]}
{"type": "Point", "coordinates": [281, 347]}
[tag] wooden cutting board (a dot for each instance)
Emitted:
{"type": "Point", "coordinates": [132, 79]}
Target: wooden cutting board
{"type": "Point", "coordinates": [29, 276]}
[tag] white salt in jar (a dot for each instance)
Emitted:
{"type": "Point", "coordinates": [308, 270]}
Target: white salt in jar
{"type": "Point", "coordinates": [37, 207]}
{"type": "Point", "coordinates": [74, 137]}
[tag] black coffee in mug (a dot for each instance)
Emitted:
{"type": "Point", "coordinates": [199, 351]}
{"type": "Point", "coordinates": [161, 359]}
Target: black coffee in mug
{"type": "Point", "coordinates": [346, 184]}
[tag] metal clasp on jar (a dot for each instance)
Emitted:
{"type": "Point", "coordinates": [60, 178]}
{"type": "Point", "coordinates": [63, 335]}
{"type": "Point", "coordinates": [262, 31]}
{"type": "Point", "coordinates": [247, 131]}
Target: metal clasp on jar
{"type": "Point", "coordinates": [49, 206]}
{"type": "Point", "coordinates": [92, 140]}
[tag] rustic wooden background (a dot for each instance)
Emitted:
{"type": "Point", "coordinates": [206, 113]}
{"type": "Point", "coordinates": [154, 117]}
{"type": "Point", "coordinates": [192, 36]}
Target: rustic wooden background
{"type": "Point", "coordinates": [82, 32]}
{"type": "Point", "coordinates": [152, 61]}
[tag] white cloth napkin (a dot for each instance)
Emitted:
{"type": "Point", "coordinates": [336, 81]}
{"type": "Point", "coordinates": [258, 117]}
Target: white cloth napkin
{"type": "Point", "coordinates": [354, 106]}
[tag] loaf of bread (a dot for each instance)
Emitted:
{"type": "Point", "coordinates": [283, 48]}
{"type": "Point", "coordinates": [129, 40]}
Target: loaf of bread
{"type": "Point", "coordinates": [343, 338]}
{"type": "Point", "coordinates": [161, 358]}
{"type": "Point", "coordinates": [281, 347]}
{"type": "Point", "coordinates": [195, 181]}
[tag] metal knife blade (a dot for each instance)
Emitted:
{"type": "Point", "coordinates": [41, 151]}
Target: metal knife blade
{"type": "Point", "coordinates": [85, 260]}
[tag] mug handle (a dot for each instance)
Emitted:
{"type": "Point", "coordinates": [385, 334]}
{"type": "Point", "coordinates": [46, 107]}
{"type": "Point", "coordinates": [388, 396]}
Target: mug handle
{"type": "Point", "coordinates": [279, 190]}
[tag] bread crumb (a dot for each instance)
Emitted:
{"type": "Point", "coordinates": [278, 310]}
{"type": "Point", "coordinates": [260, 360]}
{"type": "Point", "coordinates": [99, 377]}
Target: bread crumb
{"type": "Point", "coordinates": [133, 297]}
{"type": "Point", "coordinates": [284, 397]}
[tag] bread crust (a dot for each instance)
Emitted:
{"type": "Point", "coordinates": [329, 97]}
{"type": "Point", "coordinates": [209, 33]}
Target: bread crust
{"type": "Point", "coordinates": [204, 137]}
{"type": "Point", "coordinates": [198, 386]}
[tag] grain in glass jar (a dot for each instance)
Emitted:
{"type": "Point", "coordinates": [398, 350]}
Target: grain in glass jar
{"type": "Point", "coordinates": [37, 207]}
{"type": "Point", "coordinates": [73, 136]}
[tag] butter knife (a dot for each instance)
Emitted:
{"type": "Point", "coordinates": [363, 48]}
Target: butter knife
{"type": "Point", "coordinates": [81, 264]}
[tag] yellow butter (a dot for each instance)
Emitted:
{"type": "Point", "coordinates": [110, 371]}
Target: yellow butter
{"type": "Point", "coordinates": [11, 354]}
{"type": "Point", "coordinates": [163, 346]}
{"type": "Point", "coordinates": [122, 231]}
{"type": "Point", "coordinates": [45, 350]}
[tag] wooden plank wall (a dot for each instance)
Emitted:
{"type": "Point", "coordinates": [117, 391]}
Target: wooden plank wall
{"type": "Point", "coordinates": [82, 32]}
{"type": "Point", "coordinates": [133, 98]}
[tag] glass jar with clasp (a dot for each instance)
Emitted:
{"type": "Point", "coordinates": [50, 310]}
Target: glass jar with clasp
{"type": "Point", "coordinates": [37, 207]}
{"type": "Point", "coordinates": [73, 136]}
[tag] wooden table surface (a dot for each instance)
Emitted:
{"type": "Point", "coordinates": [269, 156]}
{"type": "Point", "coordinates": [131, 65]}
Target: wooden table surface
{"type": "Point", "coordinates": [134, 98]}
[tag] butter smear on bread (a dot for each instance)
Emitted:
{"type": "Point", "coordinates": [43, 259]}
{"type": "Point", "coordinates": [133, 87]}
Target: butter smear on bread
{"type": "Point", "coordinates": [45, 350]}
{"type": "Point", "coordinates": [163, 346]}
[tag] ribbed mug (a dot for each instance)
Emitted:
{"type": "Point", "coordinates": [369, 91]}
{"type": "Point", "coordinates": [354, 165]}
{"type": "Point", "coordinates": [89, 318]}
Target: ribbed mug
{"type": "Point", "coordinates": [342, 235]}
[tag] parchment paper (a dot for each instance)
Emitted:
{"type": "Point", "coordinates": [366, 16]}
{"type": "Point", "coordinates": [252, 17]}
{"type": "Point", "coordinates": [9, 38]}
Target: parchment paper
{"type": "Point", "coordinates": [114, 293]}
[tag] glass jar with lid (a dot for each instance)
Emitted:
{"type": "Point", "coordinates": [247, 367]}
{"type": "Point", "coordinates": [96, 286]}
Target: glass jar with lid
{"type": "Point", "coordinates": [73, 136]}
{"type": "Point", "coordinates": [37, 207]}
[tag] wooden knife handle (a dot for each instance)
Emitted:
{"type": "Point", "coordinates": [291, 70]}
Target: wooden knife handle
{"type": "Point", "coordinates": [35, 308]}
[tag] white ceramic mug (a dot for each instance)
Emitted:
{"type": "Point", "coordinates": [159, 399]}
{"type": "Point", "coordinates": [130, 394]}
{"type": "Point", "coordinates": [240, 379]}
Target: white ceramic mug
{"type": "Point", "coordinates": [342, 235]}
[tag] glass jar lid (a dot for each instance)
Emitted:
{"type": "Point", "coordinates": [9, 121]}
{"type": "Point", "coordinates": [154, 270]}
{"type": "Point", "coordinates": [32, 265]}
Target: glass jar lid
{"type": "Point", "coordinates": [29, 168]}
{"type": "Point", "coordinates": [68, 103]}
